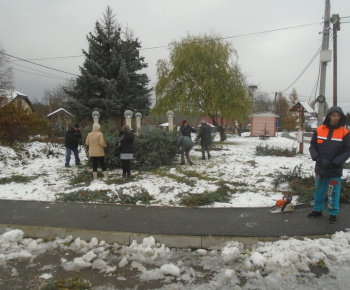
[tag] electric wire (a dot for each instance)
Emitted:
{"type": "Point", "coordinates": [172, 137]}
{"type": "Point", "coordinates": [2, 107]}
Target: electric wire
{"type": "Point", "coordinates": [55, 76]}
{"type": "Point", "coordinates": [38, 64]}
{"type": "Point", "coordinates": [38, 74]}
{"type": "Point", "coordinates": [310, 62]}
{"type": "Point", "coordinates": [166, 46]}
{"type": "Point", "coordinates": [303, 71]}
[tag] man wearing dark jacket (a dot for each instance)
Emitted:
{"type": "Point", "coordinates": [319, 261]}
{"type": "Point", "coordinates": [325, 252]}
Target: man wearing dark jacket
{"type": "Point", "coordinates": [330, 148]}
{"type": "Point", "coordinates": [72, 140]}
{"type": "Point", "coordinates": [186, 129]}
{"type": "Point", "coordinates": [205, 136]}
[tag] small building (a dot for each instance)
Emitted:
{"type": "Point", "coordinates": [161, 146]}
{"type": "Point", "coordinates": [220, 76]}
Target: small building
{"type": "Point", "coordinates": [263, 123]}
{"type": "Point", "coordinates": [59, 121]}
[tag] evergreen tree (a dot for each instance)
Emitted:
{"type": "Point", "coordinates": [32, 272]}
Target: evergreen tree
{"type": "Point", "coordinates": [110, 80]}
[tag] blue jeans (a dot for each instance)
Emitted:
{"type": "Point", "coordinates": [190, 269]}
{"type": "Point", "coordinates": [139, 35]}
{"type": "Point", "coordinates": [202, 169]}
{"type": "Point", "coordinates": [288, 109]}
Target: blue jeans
{"type": "Point", "coordinates": [331, 188]}
{"type": "Point", "coordinates": [76, 156]}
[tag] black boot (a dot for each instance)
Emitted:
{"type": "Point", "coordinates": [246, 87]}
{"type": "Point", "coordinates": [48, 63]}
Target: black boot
{"type": "Point", "coordinates": [314, 214]}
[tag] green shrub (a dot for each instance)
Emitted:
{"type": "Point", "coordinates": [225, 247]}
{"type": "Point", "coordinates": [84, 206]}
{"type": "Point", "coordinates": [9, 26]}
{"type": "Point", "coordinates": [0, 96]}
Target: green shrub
{"type": "Point", "coordinates": [155, 148]}
{"type": "Point", "coordinates": [274, 151]}
{"type": "Point", "coordinates": [152, 149]}
{"type": "Point", "coordinates": [304, 186]}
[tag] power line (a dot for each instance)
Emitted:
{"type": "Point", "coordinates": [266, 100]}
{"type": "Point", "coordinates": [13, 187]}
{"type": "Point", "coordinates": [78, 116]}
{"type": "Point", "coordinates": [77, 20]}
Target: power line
{"type": "Point", "coordinates": [307, 66]}
{"type": "Point", "coordinates": [57, 57]}
{"type": "Point", "coordinates": [38, 64]}
{"type": "Point", "coordinates": [39, 74]}
{"type": "Point", "coordinates": [62, 78]}
{"type": "Point", "coordinates": [220, 38]}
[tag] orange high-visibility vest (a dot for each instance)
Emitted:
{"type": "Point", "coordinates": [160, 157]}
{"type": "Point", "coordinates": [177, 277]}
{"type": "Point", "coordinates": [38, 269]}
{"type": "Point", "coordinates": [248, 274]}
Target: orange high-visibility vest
{"type": "Point", "coordinates": [338, 134]}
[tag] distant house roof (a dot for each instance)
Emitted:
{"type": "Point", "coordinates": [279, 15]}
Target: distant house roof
{"type": "Point", "coordinates": [265, 114]}
{"type": "Point", "coordinates": [59, 110]}
{"type": "Point", "coordinates": [304, 105]}
{"type": "Point", "coordinates": [12, 95]}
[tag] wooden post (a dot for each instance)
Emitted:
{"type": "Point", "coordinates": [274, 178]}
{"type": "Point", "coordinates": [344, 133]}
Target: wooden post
{"type": "Point", "coordinates": [301, 129]}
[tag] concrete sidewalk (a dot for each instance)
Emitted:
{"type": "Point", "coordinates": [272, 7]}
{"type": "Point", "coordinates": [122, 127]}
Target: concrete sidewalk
{"type": "Point", "coordinates": [173, 226]}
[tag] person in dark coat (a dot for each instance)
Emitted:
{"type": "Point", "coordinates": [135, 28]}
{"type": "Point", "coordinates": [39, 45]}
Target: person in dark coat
{"type": "Point", "coordinates": [205, 137]}
{"type": "Point", "coordinates": [185, 144]}
{"type": "Point", "coordinates": [186, 129]}
{"type": "Point", "coordinates": [126, 139]}
{"type": "Point", "coordinates": [71, 142]}
{"type": "Point", "coordinates": [330, 148]}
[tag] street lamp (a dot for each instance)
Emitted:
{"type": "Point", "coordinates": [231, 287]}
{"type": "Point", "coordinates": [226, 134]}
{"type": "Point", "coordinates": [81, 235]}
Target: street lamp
{"type": "Point", "coordinates": [95, 116]}
{"type": "Point", "coordinates": [128, 115]}
{"type": "Point", "coordinates": [170, 115]}
{"type": "Point", "coordinates": [252, 89]}
{"type": "Point", "coordinates": [138, 116]}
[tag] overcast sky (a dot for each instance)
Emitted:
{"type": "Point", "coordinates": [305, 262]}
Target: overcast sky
{"type": "Point", "coordinates": [271, 56]}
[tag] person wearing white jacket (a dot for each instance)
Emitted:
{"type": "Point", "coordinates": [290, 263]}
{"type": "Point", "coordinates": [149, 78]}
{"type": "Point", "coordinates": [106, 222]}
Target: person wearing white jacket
{"type": "Point", "coordinates": [97, 143]}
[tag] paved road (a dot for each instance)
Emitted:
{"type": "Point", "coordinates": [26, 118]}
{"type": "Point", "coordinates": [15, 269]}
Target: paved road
{"type": "Point", "coordinates": [173, 226]}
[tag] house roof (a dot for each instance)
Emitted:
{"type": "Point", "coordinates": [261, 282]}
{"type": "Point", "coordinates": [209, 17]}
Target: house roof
{"type": "Point", "coordinates": [11, 95]}
{"type": "Point", "coordinates": [265, 114]}
{"type": "Point", "coordinates": [304, 105]}
{"type": "Point", "coordinates": [59, 110]}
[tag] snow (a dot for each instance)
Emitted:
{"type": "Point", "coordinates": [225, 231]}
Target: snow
{"type": "Point", "coordinates": [286, 263]}
{"type": "Point", "coordinates": [234, 162]}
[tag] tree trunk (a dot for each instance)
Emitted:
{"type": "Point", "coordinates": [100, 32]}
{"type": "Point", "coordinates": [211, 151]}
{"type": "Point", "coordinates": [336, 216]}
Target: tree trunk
{"type": "Point", "coordinates": [222, 133]}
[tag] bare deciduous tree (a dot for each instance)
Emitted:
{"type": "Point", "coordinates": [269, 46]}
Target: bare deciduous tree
{"type": "Point", "coordinates": [6, 75]}
{"type": "Point", "coordinates": [57, 97]}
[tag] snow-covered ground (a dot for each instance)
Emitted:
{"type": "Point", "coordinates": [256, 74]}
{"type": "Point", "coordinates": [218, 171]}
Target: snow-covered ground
{"type": "Point", "coordinates": [235, 162]}
{"type": "Point", "coordinates": [287, 263]}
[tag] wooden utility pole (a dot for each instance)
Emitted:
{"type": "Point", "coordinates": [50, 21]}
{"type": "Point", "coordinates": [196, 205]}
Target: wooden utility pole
{"type": "Point", "coordinates": [324, 60]}
{"type": "Point", "coordinates": [336, 27]}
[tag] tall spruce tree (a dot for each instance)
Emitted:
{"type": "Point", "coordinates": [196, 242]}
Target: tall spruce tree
{"type": "Point", "coordinates": [110, 79]}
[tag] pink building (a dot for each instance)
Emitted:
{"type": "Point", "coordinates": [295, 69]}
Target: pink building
{"type": "Point", "coordinates": [263, 124]}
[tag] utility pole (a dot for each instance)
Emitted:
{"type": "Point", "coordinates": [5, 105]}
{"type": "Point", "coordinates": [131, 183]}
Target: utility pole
{"type": "Point", "coordinates": [336, 27]}
{"type": "Point", "coordinates": [325, 57]}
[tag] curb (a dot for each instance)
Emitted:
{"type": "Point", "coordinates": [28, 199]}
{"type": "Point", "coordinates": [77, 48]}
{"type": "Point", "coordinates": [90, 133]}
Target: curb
{"type": "Point", "coordinates": [126, 238]}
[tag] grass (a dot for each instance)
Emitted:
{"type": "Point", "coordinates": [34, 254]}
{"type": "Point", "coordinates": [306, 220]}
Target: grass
{"type": "Point", "coordinates": [69, 283]}
{"type": "Point", "coordinates": [274, 151]}
{"type": "Point", "coordinates": [222, 194]}
{"type": "Point", "coordinates": [83, 176]}
{"type": "Point", "coordinates": [104, 196]}
{"type": "Point", "coordinates": [17, 179]}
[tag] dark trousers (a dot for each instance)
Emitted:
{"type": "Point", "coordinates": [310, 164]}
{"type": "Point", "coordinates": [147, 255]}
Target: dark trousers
{"type": "Point", "coordinates": [185, 150]}
{"type": "Point", "coordinates": [205, 148]}
{"type": "Point", "coordinates": [126, 165]}
{"type": "Point", "coordinates": [76, 156]}
{"type": "Point", "coordinates": [100, 160]}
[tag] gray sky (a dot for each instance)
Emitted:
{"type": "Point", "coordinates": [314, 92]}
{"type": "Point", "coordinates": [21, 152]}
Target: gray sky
{"type": "Point", "coordinates": [273, 60]}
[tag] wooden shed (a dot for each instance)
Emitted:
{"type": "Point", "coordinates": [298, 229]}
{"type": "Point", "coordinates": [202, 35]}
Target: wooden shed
{"type": "Point", "coordinates": [263, 123]}
{"type": "Point", "coordinates": [60, 120]}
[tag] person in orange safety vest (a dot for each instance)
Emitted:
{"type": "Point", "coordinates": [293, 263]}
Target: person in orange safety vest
{"type": "Point", "coordinates": [330, 148]}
